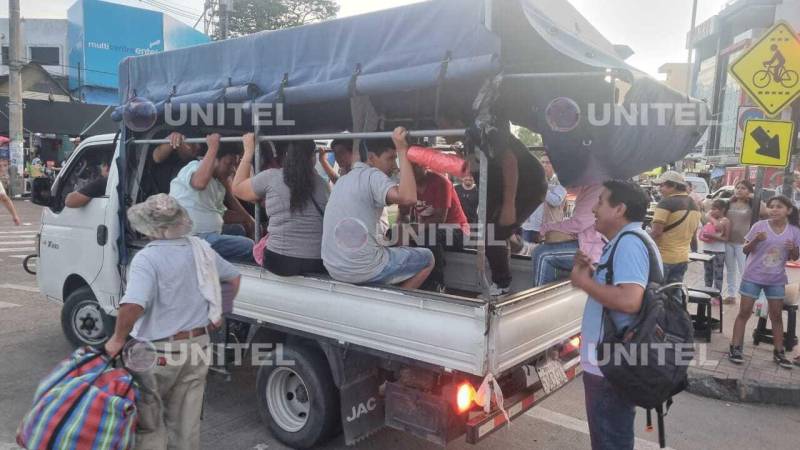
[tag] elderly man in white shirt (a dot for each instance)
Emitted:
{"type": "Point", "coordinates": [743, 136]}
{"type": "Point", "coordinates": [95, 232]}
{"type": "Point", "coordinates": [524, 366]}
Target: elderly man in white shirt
{"type": "Point", "coordinates": [177, 286]}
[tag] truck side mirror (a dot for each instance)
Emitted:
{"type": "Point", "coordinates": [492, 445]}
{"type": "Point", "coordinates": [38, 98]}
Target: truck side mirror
{"type": "Point", "coordinates": [41, 191]}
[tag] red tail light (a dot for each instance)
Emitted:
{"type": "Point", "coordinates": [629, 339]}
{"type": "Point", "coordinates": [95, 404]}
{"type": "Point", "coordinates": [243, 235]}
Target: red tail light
{"type": "Point", "coordinates": [464, 397]}
{"type": "Point", "coordinates": [571, 346]}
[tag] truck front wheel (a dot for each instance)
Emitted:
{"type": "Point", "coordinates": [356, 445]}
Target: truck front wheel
{"type": "Point", "coordinates": [299, 402]}
{"type": "Point", "coordinates": [82, 319]}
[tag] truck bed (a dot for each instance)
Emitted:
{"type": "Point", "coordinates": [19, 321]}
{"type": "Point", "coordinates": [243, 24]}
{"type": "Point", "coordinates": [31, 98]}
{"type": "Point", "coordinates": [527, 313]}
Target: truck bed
{"type": "Point", "coordinates": [453, 332]}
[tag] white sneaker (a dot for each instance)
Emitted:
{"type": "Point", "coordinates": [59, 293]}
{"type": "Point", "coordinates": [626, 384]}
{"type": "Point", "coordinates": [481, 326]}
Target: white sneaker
{"type": "Point", "coordinates": [497, 291]}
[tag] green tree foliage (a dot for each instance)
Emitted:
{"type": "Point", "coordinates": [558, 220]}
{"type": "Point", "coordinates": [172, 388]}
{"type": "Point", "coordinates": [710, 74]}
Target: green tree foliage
{"type": "Point", "coordinates": [252, 16]}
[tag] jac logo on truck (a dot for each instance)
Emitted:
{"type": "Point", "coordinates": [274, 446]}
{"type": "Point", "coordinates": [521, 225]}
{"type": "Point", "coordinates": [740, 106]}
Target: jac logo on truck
{"type": "Point", "coordinates": [362, 408]}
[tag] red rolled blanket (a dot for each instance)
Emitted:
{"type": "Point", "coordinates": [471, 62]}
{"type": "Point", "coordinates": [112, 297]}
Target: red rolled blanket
{"type": "Point", "coordinates": [438, 161]}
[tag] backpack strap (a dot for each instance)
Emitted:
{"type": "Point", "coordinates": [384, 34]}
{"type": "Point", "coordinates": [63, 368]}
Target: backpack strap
{"type": "Point", "coordinates": [662, 435]}
{"type": "Point", "coordinates": [674, 225]}
{"type": "Point", "coordinates": [655, 273]}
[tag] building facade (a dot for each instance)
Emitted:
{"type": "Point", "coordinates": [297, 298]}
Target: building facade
{"type": "Point", "coordinates": [84, 50]}
{"type": "Point", "coordinates": [44, 41]}
{"type": "Point", "coordinates": [676, 75]}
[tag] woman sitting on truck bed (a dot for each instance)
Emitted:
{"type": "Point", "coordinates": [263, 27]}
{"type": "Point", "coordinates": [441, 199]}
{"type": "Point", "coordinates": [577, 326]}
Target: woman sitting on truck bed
{"type": "Point", "coordinates": [294, 198]}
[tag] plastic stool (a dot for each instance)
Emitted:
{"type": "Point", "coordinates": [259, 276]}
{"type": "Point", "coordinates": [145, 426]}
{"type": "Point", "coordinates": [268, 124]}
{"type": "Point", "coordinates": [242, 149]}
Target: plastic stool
{"type": "Point", "coordinates": [714, 293]}
{"type": "Point", "coordinates": [702, 321]}
{"type": "Point", "coordinates": [764, 334]}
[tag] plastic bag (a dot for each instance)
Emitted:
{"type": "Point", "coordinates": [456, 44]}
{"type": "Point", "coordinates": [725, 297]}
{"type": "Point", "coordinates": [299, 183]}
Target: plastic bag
{"type": "Point", "coordinates": [761, 307]}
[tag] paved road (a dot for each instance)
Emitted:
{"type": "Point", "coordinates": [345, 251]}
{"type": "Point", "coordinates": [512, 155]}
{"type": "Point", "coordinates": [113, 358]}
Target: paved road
{"type": "Point", "coordinates": [31, 342]}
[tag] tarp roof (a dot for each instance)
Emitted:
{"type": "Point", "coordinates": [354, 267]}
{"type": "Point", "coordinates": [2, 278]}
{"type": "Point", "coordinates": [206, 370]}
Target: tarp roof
{"type": "Point", "coordinates": [399, 56]}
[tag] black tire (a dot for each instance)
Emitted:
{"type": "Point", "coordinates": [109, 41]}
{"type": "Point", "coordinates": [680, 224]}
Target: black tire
{"type": "Point", "coordinates": [26, 263]}
{"type": "Point", "coordinates": [83, 320]}
{"type": "Point", "coordinates": [311, 368]}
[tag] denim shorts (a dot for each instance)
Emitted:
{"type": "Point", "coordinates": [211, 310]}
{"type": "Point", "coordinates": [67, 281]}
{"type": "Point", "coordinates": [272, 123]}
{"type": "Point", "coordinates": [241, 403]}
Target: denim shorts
{"type": "Point", "coordinates": [404, 263]}
{"type": "Point", "coordinates": [753, 290]}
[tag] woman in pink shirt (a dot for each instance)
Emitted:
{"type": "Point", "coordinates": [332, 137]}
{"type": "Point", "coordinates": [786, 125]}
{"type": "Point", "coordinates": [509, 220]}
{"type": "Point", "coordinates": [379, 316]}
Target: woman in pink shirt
{"type": "Point", "coordinates": [552, 260]}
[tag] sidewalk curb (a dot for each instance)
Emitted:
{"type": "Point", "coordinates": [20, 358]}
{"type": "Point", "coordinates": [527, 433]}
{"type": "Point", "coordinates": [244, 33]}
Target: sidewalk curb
{"type": "Point", "coordinates": [743, 390]}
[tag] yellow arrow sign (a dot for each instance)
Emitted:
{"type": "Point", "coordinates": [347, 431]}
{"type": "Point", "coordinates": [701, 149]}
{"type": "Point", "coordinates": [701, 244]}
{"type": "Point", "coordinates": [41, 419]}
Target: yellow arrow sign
{"type": "Point", "coordinates": [767, 143]}
{"type": "Point", "coordinates": [770, 69]}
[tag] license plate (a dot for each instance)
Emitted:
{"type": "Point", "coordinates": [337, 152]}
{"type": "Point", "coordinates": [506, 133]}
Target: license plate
{"type": "Point", "coordinates": [551, 374]}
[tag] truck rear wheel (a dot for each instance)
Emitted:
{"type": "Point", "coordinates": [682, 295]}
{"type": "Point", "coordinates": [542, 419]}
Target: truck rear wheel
{"type": "Point", "coordinates": [299, 402]}
{"type": "Point", "coordinates": [82, 319]}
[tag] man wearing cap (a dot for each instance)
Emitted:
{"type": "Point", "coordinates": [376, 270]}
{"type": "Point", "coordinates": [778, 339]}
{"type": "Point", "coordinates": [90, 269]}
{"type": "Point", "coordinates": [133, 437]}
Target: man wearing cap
{"type": "Point", "coordinates": [795, 197]}
{"type": "Point", "coordinates": [177, 286]}
{"type": "Point", "coordinates": [675, 221]}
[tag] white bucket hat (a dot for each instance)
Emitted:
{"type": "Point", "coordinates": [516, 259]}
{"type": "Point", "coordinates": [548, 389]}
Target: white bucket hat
{"type": "Point", "coordinates": [160, 217]}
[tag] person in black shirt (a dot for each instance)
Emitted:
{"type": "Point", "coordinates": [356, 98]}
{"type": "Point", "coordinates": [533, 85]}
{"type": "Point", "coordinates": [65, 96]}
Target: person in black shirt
{"type": "Point", "coordinates": [95, 189]}
{"type": "Point", "coordinates": [168, 160]}
{"type": "Point", "coordinates": [469, 198]}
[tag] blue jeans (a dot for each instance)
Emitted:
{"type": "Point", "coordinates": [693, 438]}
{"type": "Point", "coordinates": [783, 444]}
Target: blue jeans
{"type": "Point", "coordinates": [674, 273]}
{"type": "Point", "coordinates": [610, 417]}
{"type": "Point", "coordinates": [231, 247]}
{"type": "Point", "coordinates": [552, 262]}
{"type": "Point", "coordinates": [754, 290]}
{"type": "Point", "coordinates": [529, 236]}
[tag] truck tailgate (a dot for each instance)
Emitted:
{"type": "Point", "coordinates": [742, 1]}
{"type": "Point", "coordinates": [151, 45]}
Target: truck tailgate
{"type": "Point", "coordinates": [529, 323]}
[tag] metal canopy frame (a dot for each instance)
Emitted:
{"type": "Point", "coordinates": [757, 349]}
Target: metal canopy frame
{"type": "Point", "coordinates": [458, 132]}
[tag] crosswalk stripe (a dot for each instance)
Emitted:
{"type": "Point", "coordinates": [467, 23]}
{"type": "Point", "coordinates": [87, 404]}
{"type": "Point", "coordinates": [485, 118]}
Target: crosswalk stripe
{"type": "Point", "coordinates": [16, 242]}
{"type": "Point", "coordinates": [18, 256]}
{"type": "Point", "coordinates": [23, 249]}
{"type": "Point", "coordinates": [19, 287]}
{"type": "Point", "coordinates": [20, 232]}
{"type": "Point", "coordinates": [581, 426]}
{"type": "Point", "coordinates": [7, 305]}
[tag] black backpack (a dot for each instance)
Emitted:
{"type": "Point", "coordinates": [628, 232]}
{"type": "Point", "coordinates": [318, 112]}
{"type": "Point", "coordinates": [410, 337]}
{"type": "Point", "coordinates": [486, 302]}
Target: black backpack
{"type": "Point", "coordinates": [648, 360]}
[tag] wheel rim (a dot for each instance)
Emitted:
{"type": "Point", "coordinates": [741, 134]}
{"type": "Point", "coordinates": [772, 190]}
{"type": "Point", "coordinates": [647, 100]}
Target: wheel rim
{"type": "Point", "coordinates": [87, 322]}
{"type": "Point", "coordinates": [287, 399]}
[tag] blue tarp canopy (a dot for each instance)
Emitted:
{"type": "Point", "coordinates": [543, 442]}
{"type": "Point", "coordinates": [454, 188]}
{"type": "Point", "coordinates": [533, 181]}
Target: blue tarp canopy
{"type": "Point", "coordinates": [399, 49]}
{"type": "Point", "coordinates": [411, 59]}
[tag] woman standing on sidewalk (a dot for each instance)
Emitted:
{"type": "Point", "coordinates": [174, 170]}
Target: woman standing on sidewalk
{"type": "Point", "coordinates": [769, 244]}
{"type": "Point", "coordinates": [740, 215]}
{"type": "Point", "coordinates": [714, 236]}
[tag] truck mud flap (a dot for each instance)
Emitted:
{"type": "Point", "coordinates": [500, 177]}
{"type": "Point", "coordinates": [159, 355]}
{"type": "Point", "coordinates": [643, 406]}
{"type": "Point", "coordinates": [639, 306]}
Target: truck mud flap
{"type": "Point", "coordinates": [422, 414]}
{"type": "Point", "coordinates": [483, 425]}
{"type": "Point", "coordinates": [362, 407]}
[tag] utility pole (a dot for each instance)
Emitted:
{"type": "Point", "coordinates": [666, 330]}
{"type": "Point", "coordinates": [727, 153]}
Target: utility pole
{"type": "Point", "coordinates": [224, 9]}
{"type": "Point", "coordinates": [16, 152]}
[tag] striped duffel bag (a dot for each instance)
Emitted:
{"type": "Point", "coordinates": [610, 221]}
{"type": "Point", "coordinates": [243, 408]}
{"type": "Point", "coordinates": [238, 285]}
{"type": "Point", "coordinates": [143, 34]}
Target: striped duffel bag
{"type": "Point", "coordinates": [84, 403]}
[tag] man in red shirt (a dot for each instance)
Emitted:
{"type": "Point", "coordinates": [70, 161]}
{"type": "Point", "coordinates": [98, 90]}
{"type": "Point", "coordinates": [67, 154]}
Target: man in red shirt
{"type": "Point", "coordinates": [437, 204]}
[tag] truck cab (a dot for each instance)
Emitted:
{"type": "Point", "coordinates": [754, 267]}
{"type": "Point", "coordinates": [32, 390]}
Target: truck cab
{"type": "Point", "coordinates": [77, 249]}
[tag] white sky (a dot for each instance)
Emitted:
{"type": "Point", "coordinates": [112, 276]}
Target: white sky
{"type": "Point", "coordinates": [654, 29]}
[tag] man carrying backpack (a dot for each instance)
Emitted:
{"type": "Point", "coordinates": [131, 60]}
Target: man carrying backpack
{"type": "Point", "coordinates": [622, 208]}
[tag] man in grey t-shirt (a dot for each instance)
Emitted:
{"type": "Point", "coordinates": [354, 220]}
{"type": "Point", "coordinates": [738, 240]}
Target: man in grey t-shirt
{"type": "Point", "coordinates": [352, 248]}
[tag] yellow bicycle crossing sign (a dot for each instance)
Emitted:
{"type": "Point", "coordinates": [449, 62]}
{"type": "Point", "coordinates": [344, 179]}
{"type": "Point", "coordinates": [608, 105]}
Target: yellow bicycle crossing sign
{"type": "Point", "coordinates": [769, 70]}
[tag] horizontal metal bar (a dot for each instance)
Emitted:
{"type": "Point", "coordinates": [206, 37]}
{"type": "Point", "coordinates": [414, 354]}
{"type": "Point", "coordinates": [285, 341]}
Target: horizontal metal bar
{"type": "Point", "coordinates": [525, 76]}
{"type": "Point", "coordinates": [458, 132]}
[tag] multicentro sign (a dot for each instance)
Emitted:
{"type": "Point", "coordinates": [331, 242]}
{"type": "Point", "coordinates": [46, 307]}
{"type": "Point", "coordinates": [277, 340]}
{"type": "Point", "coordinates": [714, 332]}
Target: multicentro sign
{"type": "Point", "coordinates": [154, 47]}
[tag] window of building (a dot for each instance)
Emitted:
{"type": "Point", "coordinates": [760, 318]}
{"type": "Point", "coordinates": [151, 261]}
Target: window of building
{"type": "Point", "coordinates": [46, 56]}
{"type": "Point", "coordinates": [5, 54]}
